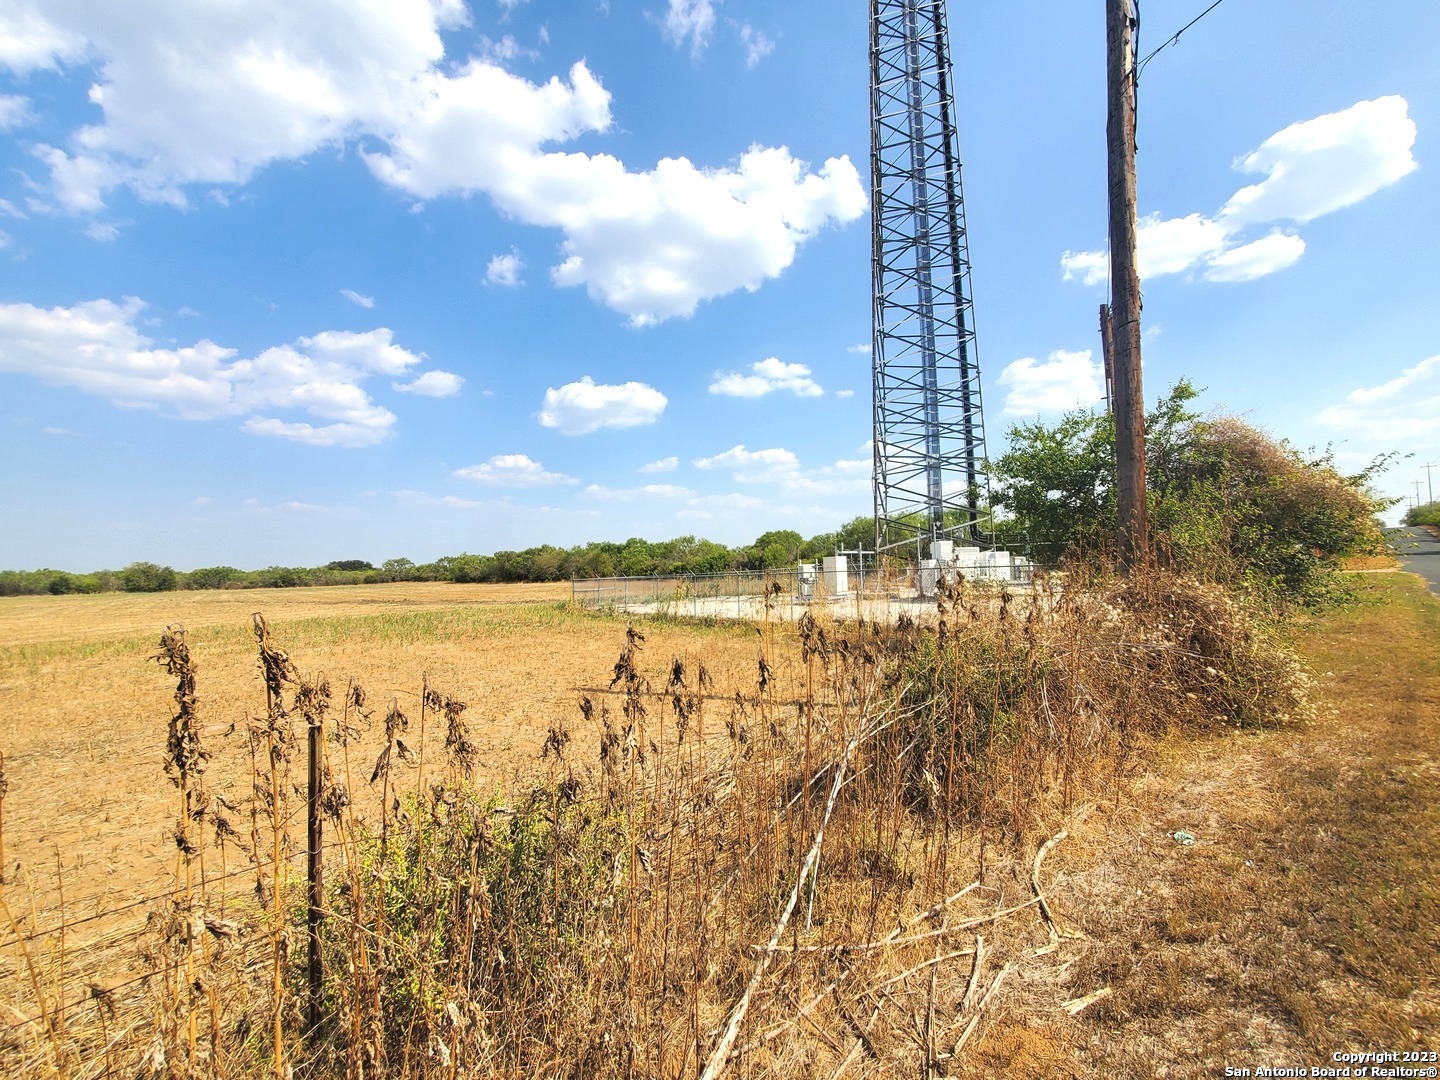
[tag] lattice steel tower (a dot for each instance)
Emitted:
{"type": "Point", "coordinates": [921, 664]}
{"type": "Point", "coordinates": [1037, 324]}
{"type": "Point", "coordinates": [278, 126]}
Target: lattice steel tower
{"type": "Point", "coordinates": [929, 432]}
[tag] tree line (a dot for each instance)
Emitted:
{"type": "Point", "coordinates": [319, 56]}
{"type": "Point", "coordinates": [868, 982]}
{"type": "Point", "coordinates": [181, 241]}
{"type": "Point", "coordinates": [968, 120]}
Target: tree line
{"type": "Point", "coordinates": [634, 557]}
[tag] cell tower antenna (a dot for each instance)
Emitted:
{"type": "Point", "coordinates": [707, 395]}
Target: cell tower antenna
{"type": "Point", "coordinates": [930, 479]}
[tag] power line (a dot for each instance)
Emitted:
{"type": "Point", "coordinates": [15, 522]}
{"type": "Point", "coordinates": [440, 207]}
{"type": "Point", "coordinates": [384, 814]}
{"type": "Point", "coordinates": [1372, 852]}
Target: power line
{"type": "Point", "coordinates": [1175, 38]}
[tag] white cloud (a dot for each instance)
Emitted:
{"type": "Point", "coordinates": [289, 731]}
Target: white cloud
{"type": "Point", "coordinates": [102, 232]}
{"type": "Point", "coordinates": [844, 393]}
{"type": "Point", "coordinates": [1312, 168]}
{"type": "Point", "coordinates": [692, 20]}
{"type": "Point", "coordinates": [96, 347]}
{"type": "Point", "coordinates": [209, 93]}
{"type": "Point", "coordinates": [1091, 267]}
{"type": "Point", "coordinates": [1255, 259]}
{"type": "Point", "coordinates": [432, 384]}
{"type": "Point", "coordinates": [865, 347]}
{"type": "Point", "coordinates": [664, 465]}
{"type": "Point", "coordinates": [756, 44]}
{"type": "Point", "coordinates": [654, 245]}
{"type": "Point", "coordinates": [205, 94]}
{"type": "Point", "coordinates": [648, 491]}
{"type": "Point", "coordinates": [507, 48]}
{"type": "Point", "coordinates": [578, 408]}
{"type": "Point", "coordinates": [9, 209]}
{"type": "Point", "coordinates": [504, 270]}
{"type": "Point", "coordinates": [766, 377]}
{"type": "Point", "coordinates": [780, 467]}
{"type": "Point", "coordinates": [28, 40]}
{"type": "Point", "coordinates": [1404, 412]}
{"type": "Point", "coordinates": [512, 470]}
{"type": "Point", "coordinates": [358, 298]}
{"type": "Point", "coordinates": [1325, 164]}
{"type": "Point", "coordinates": [1066, 380]}
{"type": "Point", "coordinates": [732, 501]}
{"type": "Point", "coordinates": [1172, 245]}
{"type": "Point", "coordinates": [753, 466]}
{"type": "Point", "coordinates": [14, 109]}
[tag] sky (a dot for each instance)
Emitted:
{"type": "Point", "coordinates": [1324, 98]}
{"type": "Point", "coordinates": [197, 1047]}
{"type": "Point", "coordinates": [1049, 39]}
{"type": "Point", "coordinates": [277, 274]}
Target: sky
{"type": "Point", "coordinates": [290, 281]}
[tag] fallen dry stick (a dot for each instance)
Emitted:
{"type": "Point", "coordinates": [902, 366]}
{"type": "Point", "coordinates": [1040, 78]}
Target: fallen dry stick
{"type": "Point", "coordinates": [1076, 1005]}
{"type": "Point", "coordinates": [979, 1010]}
{"type": "Point", "coordinates": [1045, 911]}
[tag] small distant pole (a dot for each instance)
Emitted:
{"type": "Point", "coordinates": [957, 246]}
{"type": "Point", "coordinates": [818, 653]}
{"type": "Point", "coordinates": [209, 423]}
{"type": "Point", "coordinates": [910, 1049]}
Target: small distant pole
{"type": "Point", "coordinates": [1125, 289]}
{"type": "Point", "coordinates": [1107, 351]}
{"type": "Point", "coordinates": [1429, 484]}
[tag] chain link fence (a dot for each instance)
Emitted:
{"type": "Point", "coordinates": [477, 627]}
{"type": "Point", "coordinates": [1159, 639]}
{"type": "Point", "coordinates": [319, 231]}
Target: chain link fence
{"type": "Point", "coordinates": [788, 592]}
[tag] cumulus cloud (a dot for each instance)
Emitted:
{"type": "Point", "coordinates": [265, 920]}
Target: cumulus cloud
{"type": "Point", "coordinates": [504, 270]}
{"type": "Point", "coordinates": [29, 40]}
{"type": "Point", "coordinates": [433, 384]}
{"type": "Point", "coordinates": [1311, 168]}
{"type": "Point", "coordinates": [357, 298]}
{"type": "Point", "coordinates": [648, 491]}
{"type": "Point", "coordinates": [753, 466]}
{"type": "Point", "coordinates": [689, 20]}
{"type": "Point", "coordinates": [202, 94]}
{"type": "Point", "coordinates": [198, 94]}
{"type": "Point", "coordinates": [97, 347]}
{"type": "Point", "coordinates": [844, 393]}
{"type": "Point", "coordinates": [512, 470]}
{"type": "Point", "coordinates": [767, 376]}
{"type": "Point", "coordinates": [1255, 259]}
{"type": "Point", "coordinates": [578, 408]}
{"type": "Point", "coordinates": [1402, 412]}
{"type": "Point", "coordinates": [1065, 380]}
{"type": "Point", "coordinates": [1319, 166]}
{"type": "Point", "coordinates": [14, 110]}
{"type": "Point", "coordinates": [781, 468]}
{"type": "Point", "coordinates": [664, 465]}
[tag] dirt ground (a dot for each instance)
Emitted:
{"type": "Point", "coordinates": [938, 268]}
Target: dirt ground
{"type": "Point", "coordinates": [1303, 920]}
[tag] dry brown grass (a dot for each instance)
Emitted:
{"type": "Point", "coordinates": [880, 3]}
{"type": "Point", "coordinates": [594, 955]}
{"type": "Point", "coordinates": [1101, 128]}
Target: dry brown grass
{"type": "Point", "coordinates": [1303, 920]}
{"type": "Point", "coordinates": [877, 804]}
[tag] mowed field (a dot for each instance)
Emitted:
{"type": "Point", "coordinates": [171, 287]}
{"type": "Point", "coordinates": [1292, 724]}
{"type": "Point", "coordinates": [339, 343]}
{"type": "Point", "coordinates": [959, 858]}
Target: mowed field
{"type": "Point", "coordinates": [84, 710]}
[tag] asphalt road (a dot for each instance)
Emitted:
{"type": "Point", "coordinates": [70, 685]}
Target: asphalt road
{"type": "Point", "coordinates": [1419, 553]}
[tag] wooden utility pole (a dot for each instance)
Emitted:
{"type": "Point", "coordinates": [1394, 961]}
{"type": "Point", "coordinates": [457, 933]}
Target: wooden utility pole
{"type": "Point", "coordinates": [1129, 404]}
{"type": "Point", "coordinates": [1429, 482]}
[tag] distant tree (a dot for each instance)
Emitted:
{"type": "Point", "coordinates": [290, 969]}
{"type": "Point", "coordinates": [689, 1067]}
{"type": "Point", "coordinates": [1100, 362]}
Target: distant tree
{"type": "Point", "coordinates": [212, 577]}
{"type": "Point", "coordinates": [398, 569]}
{"type": "Point", "coordinates": [147, 577]}
{"type": "Point", "coordinates": [349, 564]}
{"type": "Point", "coordinates": [62, 583]}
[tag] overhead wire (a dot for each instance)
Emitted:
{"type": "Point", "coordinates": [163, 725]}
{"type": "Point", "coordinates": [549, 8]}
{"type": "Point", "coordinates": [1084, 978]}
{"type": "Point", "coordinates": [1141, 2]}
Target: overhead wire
{"type": "Point", "coordinates": [1173, 39]}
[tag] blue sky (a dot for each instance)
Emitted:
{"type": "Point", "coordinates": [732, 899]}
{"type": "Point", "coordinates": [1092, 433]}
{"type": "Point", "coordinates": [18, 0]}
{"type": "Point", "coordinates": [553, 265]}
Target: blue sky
{"type": "Point", "coordinates": [298, 280]}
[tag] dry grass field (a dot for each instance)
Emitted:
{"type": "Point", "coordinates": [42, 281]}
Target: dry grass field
{"type": "Point", "coordinates": [1301, 921]}
{"type": "Point", "coordinates": [84, 711]}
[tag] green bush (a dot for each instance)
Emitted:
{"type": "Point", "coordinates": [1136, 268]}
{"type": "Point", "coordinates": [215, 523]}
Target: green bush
{"type": "Point", "coordinates": [1424, 514]}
